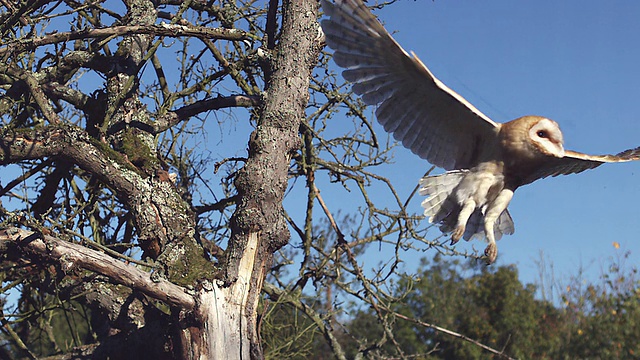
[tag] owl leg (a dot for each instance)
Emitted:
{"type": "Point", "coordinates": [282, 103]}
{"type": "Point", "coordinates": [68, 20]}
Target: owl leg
{"type": "Point", "coordinates": [463, 217]}
{"type": "Point", "coordinates": [493, 212]}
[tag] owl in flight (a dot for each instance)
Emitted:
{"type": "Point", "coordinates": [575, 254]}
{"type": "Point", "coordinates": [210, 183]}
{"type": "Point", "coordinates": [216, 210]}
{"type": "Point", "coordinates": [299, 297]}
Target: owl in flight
{"type": "Point", "coordinates": [485, 161]}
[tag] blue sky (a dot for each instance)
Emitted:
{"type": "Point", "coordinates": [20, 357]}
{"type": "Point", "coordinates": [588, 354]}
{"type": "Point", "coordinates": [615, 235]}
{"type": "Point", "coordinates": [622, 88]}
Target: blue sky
{"type": "Point", "coordinates": [572, 61]}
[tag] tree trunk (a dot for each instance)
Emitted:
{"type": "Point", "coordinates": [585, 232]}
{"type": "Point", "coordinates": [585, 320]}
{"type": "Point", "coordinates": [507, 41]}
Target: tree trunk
{"type": "Point", "coordinates": [229, 308]}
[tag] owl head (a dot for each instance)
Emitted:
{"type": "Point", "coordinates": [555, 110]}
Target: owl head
{"type": "Point", "coordinates": [546, 137]}
{"type": "Point", "coordinates": [532, 137]}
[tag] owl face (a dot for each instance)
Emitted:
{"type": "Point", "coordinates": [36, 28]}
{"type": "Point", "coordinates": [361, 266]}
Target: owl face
{"type": "Point", "coordinates": [546, 137]}
{"type": "Point", "coordinates": [531, 138]}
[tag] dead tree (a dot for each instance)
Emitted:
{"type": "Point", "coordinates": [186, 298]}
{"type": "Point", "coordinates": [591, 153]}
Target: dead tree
{"type": "Point", "coordinates": [83, 150]}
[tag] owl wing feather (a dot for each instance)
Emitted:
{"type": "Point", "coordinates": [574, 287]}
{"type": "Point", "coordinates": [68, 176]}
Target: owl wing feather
{"type": "Point", "coordinates": [423, 114]}
{"type": "Point", "coordinates": [574, 162]}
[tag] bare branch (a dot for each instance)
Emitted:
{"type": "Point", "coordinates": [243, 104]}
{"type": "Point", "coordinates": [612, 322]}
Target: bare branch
{"type": "Point", "coordinates": [501, 354]}
{"type": "Point", "coordinates": [70, 142]}
{"type": "Point", "coordinates": [158, 30]}
{"type": "Point", "coordinates": [15, 338]}
{"type": "Point", "coordinates": [36, 91]}
{"type": "Point", "coordinates": [73, 256]}
{"type": "Point", "coordinates": [175, 117]}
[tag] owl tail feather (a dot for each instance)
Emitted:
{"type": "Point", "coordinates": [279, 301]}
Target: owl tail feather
{"type": "Point", "coordinates": [442, 207]}
{"type": "Point", "coordinates": [441, 202]}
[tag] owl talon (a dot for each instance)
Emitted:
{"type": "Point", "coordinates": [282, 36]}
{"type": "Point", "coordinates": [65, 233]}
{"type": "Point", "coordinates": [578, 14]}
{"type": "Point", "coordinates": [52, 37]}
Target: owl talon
{"type": "Point", "coordinates": [457, 234]}
{"type": "Point", "coordinates": [491, 252]}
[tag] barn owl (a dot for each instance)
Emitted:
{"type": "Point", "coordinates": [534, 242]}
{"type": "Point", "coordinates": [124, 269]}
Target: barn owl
{"type": "Point", "coordinates": [485, 161]}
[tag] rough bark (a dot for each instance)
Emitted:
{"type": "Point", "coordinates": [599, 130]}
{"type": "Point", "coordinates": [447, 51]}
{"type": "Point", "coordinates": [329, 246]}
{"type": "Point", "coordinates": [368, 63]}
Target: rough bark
{"type": "Point", "coordinates": [258, 225]}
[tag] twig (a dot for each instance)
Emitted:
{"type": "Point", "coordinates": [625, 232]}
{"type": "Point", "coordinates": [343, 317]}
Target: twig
{"type": "Point", "coordinates": [218, 206]}
{"type": "Point", "coordinates": [172, 118]}
{"type": "Point", "coordinates": [15, 337]}
{"type": "Point", "coordinates": [283, 296]}
{"type": "Point", "coordinates": [25, 176]}
{"type": "Point", "coordinates": [334, 225]}
{"type": "Point", "coordinates": [454, 334]}
{"type": "Point", "coordinates": [218, 164]}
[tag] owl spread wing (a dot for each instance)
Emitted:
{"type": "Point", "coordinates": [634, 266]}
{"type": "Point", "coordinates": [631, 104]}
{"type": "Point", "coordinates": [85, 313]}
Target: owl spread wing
{"type": "Point", "coordinates": [575, 162]}
{"type": "Point", "coordinates": [425, 115]}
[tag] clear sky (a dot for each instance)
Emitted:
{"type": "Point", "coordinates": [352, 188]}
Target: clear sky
{"type": "Point", "coordinates": [572, 61]}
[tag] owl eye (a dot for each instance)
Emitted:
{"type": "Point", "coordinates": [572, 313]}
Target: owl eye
{"type": "Point", "coordinates": [541, 133]}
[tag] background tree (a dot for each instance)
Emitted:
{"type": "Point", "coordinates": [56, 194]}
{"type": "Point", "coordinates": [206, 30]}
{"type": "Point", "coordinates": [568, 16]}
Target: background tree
{"type": "Point", "coordinates": [487, 304]}
{"type": "Point", "coordinates": [603, 317]}
{"type": "Point", "coordinates": [596, 319]}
